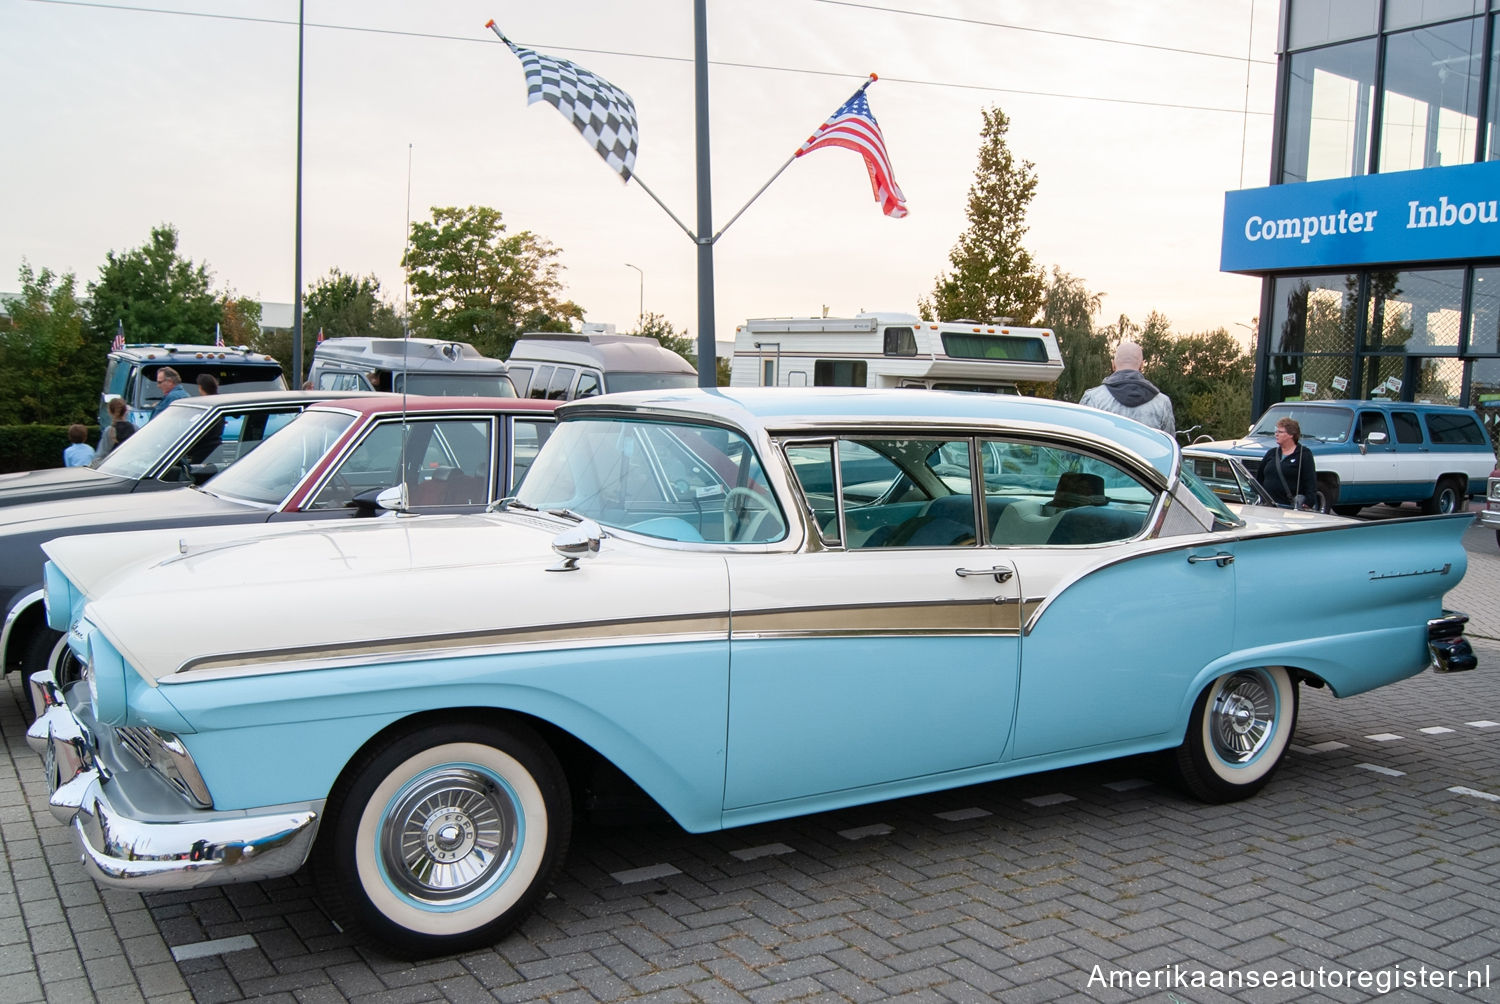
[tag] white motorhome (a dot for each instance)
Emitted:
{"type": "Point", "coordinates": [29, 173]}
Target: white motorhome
{"type": "Point", "coordinates": [892, 350]}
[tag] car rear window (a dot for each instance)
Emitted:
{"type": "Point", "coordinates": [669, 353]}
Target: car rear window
{"type": "Point", "coordinates": [1455, 429]}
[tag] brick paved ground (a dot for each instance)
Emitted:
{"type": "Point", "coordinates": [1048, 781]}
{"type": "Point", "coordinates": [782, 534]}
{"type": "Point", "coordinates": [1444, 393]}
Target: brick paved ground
{"type": "Point", "coordinates": [1377, 846]}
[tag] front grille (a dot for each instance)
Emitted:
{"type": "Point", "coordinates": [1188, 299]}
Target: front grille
{"type": "Point", "coordinates": [163, 754]}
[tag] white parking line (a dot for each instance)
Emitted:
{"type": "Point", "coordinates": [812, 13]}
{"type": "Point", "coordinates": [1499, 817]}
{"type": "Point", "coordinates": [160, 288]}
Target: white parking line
{"type": "Point", "coordinates": [644, 874]}
{"type": "Point", "coordinates": [1044, 800]}
{"type": "Point", "coordinates": [1474, 793]}
{"type": "Point", "coordinates": [763, 851]}
{"type": "Point", "coordinates": [1388, 772]}
{"type": "Point", "coordinates": [1483, 724]}
{"type": "Point", "coordinates": [1435, 730]}
{"type": "Point", "coordinates": [959, 815]}
{"type": "Point", "coordinates": [873, 830]}
{"type": "Point", "coordinates": [219, 946]}
{"type": "Point", "coordinates": [1383, 737]}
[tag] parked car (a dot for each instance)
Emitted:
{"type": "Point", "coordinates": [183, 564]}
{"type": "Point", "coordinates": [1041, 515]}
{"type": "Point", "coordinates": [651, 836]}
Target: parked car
{"type": "Point", "coordinates": [189, 442]}
{"type": "Point", "coordinates": [333, 461]}
{"type": "Point", "coordinates": [752, 603]}
{"type": "Point", "coordinates": [1369, 452]}
{"type": "Point", "coordinates": [411, 365]}
{"type": "Point", "coordinates": [1226, 476]}
{"type": "Point", "coordinates": [1490, 515]}
{"type": "Point", "coordinates": [130, 373]}
{"type": "Point", "coordinates": [560, 366]}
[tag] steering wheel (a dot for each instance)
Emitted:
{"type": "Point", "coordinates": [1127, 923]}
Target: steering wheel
{"type": "Point", "coordinates": [738, 503]}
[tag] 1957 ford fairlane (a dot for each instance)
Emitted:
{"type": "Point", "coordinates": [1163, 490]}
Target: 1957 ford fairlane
{"type": "Point", "coordinates": [752, 603]}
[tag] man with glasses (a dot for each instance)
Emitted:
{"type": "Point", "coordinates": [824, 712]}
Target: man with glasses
{"type": "Point", "coordinates": [171, 389]}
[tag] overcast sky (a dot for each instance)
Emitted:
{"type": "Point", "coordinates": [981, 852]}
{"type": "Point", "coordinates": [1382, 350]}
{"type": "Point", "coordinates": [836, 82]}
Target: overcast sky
{"type": "Point", "coordinates": [119, 118]}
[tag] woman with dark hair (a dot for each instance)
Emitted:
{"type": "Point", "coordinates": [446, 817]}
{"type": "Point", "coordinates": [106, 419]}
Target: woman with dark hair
{"type": "Point", "coordinates": [1287, 470]}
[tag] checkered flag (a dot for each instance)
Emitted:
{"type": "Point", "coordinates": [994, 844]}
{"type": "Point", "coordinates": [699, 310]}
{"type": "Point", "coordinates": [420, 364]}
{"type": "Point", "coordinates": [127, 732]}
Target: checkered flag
{"type": "Point", "coordinates": [602, 112]}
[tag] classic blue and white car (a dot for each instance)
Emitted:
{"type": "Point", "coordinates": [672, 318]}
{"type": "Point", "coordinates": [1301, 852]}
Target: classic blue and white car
{"type": "Point", "coordinates": [754, 604]}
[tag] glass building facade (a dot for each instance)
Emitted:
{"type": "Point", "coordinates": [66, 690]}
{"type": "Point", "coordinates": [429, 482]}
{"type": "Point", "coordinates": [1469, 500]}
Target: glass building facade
{"type": "Point", "coordinates": [1368, 88]}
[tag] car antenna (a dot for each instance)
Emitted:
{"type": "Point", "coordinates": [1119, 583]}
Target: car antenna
{"type": "Point", "coordinates": [405, 333]}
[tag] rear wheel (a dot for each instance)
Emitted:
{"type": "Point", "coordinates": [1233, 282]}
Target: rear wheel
{"type": "Point", "coordinates": [1328, 495]}
{"type": "Point", "coordinates": [1445, 498]}
{"type": "Point", "coordinates": [1238, 733]}
{"type": "Point", "coordinates": [442, 838]}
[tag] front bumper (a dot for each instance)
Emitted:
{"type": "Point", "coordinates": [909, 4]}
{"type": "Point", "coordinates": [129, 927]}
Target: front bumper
{"type": "Point", "coordinates": [135, 832]}
{"type": "Point", "coordinates": [1490, 518]}
{"type": "Point", "coordinates": [1451, 652]}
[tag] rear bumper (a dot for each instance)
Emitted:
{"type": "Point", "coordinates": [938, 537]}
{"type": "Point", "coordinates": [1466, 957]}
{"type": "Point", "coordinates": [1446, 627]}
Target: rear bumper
{"type": "Point", "coordinates": [1451, 652]}
{"type": "Point", "coordinates": [135, 832]}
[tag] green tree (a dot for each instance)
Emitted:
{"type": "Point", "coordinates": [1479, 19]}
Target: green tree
{"type": "Point", "coordinates": [239, 320]}
{"type": "Point", "coordinates": [340, 305]}
{"type": "Point", "coordinates": [1207, 375]}
{"type": "Point", "coordinates": [993, 275]}
{"type": "Point", "coordinates": [472, 281]}
{"type": "Point", "coordinates": [1069, 311]}
{"type": "Point", "coordinates": [51, 366]}
{"type": "Point", "coordinates": [155, 293]}
{"type": "Point", "coordinates": [658, 327]}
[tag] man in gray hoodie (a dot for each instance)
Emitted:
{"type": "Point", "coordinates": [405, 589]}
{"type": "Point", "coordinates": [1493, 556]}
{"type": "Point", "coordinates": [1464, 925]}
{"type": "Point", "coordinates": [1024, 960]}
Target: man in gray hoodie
{"type": "Point", "coordinates": [1126, 392]}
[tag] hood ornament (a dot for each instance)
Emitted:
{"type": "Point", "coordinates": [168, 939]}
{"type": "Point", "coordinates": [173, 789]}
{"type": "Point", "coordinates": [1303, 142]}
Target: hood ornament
{"type": "Point", "coordinates": [576, 543]}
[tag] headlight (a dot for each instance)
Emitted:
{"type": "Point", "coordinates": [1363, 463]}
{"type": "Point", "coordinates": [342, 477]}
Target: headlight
{"type": "Point", "coordinates": [60, 598]}
{"type": "Point", "coordinates": [105, 671]}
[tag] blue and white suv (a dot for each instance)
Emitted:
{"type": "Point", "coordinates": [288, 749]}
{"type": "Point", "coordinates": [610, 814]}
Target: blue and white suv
{"type": "Point", "coordinates": [1372, 452]}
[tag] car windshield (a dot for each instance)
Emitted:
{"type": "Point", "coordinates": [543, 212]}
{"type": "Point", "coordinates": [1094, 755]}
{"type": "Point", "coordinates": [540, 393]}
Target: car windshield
{"type": "Point", "coordinates": [270, 473]}
{"type": "Point", "coordinates": [138, 454]}
{"type": "Point", "coordinates": [456, 384]}
{"type": "Point", "coordinates": [1320, 424]}
{"type": "Point", "coordinates": [676, 481]}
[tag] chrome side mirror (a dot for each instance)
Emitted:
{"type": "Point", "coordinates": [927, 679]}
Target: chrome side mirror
{"type": "Point", "coordinates": [394, 499]}
{"type": "Point", "coordinates": [576, 543]}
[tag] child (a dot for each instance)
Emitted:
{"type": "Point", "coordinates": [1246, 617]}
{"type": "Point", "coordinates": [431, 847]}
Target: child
{"type": "Point", "coordinates": [78, 453]}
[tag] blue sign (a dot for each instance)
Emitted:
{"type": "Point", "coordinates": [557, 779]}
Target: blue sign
{"type": "Point", "coordinates": [1436, 214]}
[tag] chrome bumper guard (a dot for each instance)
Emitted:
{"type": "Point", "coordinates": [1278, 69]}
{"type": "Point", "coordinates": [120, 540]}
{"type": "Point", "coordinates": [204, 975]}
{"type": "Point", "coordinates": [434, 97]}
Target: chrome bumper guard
{"type": "Point", "coordinates": [199, 848]}
{"type": "Point", "coordinates": [1451, 652]}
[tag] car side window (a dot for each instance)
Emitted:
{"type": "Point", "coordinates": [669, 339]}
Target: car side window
{"type": "Point", "coordinates": [527, 437]}
{"type": "Point", "coordinates": [1456, 429]}
{"type": "Point", "coordinates": [1371, 421]}
{"type": "Point", "coordinates": [588, 385]}
{"type": "Point", "coordinates": [540, 381]}
{"type": "Point", "coordinates": [889, 492]}
{"type": "Point", "coordinates": [1051, 495]}
{"type": "Point", "coordinates": [1407, 429]}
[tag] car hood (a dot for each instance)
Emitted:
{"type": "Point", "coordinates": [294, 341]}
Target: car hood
{"type": "Point", "coordinates": [57, 483]}
{"type": "Point", "coordinates": [1246, 447]}
{"type": "Point", "coordinates": [396, 588]}
{"type": "Point", "coordinates": [120, 512]}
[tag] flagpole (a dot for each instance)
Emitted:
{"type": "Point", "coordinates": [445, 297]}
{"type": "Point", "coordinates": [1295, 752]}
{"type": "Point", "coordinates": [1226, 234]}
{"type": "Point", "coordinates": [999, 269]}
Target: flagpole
{"type": "Point", "coordinates": [772, 180]}
{"type": "Point", "coordinates": [707, 353]}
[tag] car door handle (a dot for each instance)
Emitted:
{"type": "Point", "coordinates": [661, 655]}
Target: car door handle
{"type": "Point", "coordinates": [1000, 574]}
{"type": "Point", "coordinates": [1222, 558]}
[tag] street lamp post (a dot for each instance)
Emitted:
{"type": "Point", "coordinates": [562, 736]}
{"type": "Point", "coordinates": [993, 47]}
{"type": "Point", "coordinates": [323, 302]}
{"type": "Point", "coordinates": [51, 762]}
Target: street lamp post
{"type": "Point", "coordinates": [641, 313]}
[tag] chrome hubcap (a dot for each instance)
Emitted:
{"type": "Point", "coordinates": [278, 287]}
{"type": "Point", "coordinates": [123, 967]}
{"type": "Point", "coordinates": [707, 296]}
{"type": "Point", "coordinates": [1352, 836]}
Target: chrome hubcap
{"type": "Point", "coordinates": [1243, 718]}
{"type": "Point", "coordinates": [448, 834]}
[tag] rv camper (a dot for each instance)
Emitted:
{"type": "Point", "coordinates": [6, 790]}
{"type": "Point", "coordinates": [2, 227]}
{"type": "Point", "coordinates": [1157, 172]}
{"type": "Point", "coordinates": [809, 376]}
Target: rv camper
{"type": "Point", "coordinates": [892, 350]}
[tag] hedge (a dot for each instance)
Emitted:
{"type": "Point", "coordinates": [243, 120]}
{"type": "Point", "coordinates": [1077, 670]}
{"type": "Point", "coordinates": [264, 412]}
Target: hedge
{"type": "Point", "coordinates": [32, 447]}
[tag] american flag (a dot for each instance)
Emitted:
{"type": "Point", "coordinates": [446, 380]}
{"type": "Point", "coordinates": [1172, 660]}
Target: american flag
{"type": "Point", "coordinates": [218, 337]}
{"type": "Point", "coordinates": [119, 342]}
{"type": "Point", "coordinates": [853, 127]}
{"type": "Point", "coordinates": [320, 336]}
{"type": "Point", "coordinates": [603, 113]}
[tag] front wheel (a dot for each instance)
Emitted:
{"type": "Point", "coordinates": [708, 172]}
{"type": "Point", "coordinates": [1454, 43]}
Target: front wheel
{"type": "Point", "coordinates": [1238, 733]}
{"type": "Point", "coordinates": [441, 839]}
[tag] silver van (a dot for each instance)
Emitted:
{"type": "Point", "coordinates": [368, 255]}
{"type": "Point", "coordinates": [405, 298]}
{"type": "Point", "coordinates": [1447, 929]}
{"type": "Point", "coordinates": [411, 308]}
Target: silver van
{"type": "Point", "coordinates": [560, 366]}
{"type": "Point", "coordinates": [410, 365]}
